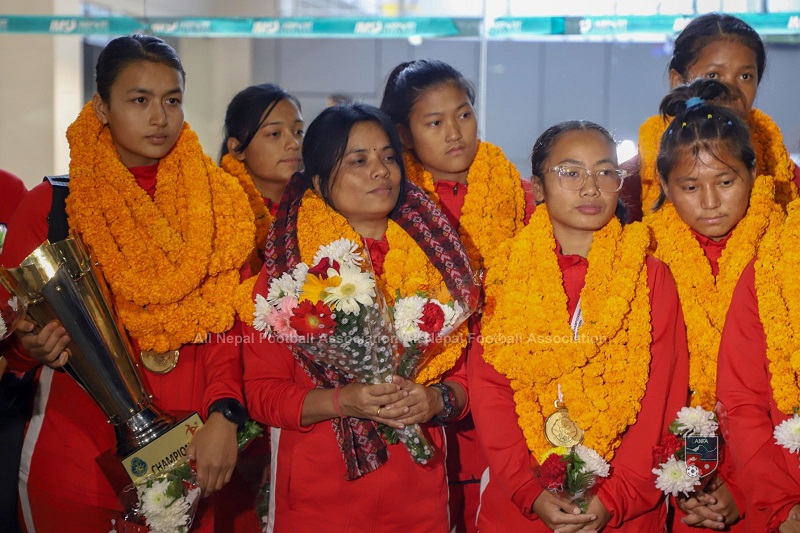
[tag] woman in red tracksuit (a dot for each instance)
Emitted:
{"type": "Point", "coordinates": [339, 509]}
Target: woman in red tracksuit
{"type": "Point", "coordinates": [618, 366]}
{"type": "Point", "coordinates": [331, 468]}
{"type": "Point", "coordinates": [139, 184]}
{"type": "Point", "coordinates": [483, 196]}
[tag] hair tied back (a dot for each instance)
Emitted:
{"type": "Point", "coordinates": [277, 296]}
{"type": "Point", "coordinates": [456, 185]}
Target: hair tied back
{"type": "Point", "coordinates": [694, 101]}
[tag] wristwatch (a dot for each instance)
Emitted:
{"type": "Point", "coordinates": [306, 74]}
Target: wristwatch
{"type": "Point", "coordinates": [449, 400]}
{"type": "Point", "coordinates": [232, 410]}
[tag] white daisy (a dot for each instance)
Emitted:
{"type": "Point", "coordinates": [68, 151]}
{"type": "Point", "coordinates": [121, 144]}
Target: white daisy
{"type": "Point", "coordinates": [263, 310]}
{"type": "Point", "coordinates": [452, 312]}
{"type": "Point", "coordinates": [282, 286]}
{"type": "Point", "coordinates": [356, 288]}
{"type": "Point", "coordinates": [787, 434]}
{"type": "Point", "coordinates": [299, 274]}
{"type": "Point", "coordinates": [410, 334]}
{"type": "Point", "coordinates": [408, 310]}
{"type": "Point", "coordinates": [594, 462]}
{"type": "Point", "coordinates": [163, 514]}
{"type": "Point", "coordinates": [343, 251]}
{"type": "Point", "coordinates": [697, 421]}
{"type": "Point", "coordinates": [672, 478]}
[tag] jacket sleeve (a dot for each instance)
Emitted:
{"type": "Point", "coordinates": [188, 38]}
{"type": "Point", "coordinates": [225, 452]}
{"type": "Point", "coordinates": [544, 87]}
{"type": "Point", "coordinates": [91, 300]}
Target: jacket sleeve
{"type": "Point", "coordinates": [630, 491]}
{"type": "Point", "coordinates": [501, 438]}
{"type": "Point", "coordinates": [27, 229]}
{"type": "Point", "coordinates": [273, 380]}
{"type": "Point", "coordinates": [743, 387]}
{"type": "Point", "coordinates": [224, 371]}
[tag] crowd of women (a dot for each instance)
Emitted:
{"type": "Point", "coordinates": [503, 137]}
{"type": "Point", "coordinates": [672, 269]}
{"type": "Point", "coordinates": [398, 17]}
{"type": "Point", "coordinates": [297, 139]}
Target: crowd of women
{"type": "Point", "coordinates": [611, 297]}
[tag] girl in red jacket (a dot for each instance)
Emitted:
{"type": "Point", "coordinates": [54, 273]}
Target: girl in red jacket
{"type": "Point", "coordinates": [583, 341]}
{"type": "Point", "coordinates": [170, 231]}
{"type": "Point", "coordinates": [332, 470]}
{"type": "Point", "coordinates": [757, 380]}
{"type": "Point", "coordinates": [480, 191]}
{"type": "Point", "coordinates": [263, 139]}
{"type": "Point", "coordinates": [725, 48]}
{"type": "Point", "coordinates": [712, 215]}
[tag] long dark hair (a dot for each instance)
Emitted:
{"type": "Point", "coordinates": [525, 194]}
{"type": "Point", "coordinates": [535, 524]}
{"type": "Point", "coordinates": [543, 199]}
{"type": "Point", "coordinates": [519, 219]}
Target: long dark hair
{"type": "Point", "coordinates": [326, 140]}
{"type": "Point", "coordinates": [710, 27]}
{"type": "Point", "coordinates": [701, 126]}
{"type": "Point", "coordinates": [544, 144]}
{"type": "Point", "coordinates": [408, 81]}
{"type": "Point", "coordinates": [123, 51]}
{"type": "Point", "coordinates": [243, 117]}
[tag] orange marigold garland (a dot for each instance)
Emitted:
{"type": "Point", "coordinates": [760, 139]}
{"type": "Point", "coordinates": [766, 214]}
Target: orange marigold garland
{"type": "Point", "coordinates": [263, 218]}
{"type": "Point", "coordinates": [779, 307]}
{"type": "Point", "coordinates": [171, 261]}
{"type": "Point", "coordinates": [603, 374]}
{"type": "Point", "coordinates": [406, 269]}
{"type": "Point", "coordinates": [772, 158]}
{"type": "Point", "coordinates": [704, 298]}
{"type": "Point", "coordinates": [494, 207]}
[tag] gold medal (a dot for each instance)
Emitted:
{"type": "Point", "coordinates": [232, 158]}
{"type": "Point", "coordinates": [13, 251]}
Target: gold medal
{"type": "Point", "coordinates": [561, 430]}
{"type": "Point", "coordinates": [159, 363]}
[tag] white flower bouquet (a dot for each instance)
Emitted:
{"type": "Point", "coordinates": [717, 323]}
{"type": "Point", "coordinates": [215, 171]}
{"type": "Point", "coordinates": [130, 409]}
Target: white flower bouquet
{"type": "Point", "coordinates": [167, 502]}
{"type": "Point", "coordinates": [333, 312]}
{"type": "Point", "coordinates": [572, 472]}
{"type": "Point", "coordinates": [680, 470]}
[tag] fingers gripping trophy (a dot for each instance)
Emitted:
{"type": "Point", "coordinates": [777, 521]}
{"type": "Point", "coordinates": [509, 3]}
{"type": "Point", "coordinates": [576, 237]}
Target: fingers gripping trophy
{"type": "Point", "coordinates": [58, 281]}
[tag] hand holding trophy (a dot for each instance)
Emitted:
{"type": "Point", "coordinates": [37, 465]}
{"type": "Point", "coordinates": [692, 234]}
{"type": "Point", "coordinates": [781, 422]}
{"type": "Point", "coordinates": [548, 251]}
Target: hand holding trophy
{"type": "Point", "coordinates": [58, 282]}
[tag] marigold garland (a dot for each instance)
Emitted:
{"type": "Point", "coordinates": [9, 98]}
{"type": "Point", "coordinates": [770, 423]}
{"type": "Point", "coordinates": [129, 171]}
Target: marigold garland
{"type": "Point", "coordinates": [704, 298]}
{"type": "Point", "coordinates": [171, 261]}
{"type": "Point", "coordinates": [263, 218]}
{"type": "Point", "coordinates": [406, 269]}
{"type": "Point", "coordinates": [779, 306]}
{"type": "Point", "coordinates": [494, 207]}
{"type": "Point", "coordinates": [604, 375]}
{"type": "Point", "coordinates": [772, 158]}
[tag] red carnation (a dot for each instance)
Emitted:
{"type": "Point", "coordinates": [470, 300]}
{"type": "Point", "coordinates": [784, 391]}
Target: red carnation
{"type": "Point", "coordinates": [321, 268]}
{"type": "Point", "coordinates": [432, 318]}
{"type": "Point", "coordinates": [312, 319]}
{"type": "Point", "coordinates": [669, 445]}
{"type": "Point", "coordinates": [552, 472]}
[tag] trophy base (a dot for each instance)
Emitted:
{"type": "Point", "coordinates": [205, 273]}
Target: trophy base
{"type": "Point", "coordinates": [141, 429]}
{"type": "Point", "coordinates": [164, 451]}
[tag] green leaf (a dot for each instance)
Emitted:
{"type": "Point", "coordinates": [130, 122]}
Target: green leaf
{"type": "Point", "coordinates": [250, 431]}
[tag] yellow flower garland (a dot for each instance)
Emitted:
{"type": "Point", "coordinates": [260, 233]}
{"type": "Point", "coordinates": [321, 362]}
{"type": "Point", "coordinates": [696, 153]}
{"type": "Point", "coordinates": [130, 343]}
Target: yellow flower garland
{"type": "Point", "coordinates": [263, 218]}
{"type": "Point", "coordinates": [406, 269]}
{"type": "Point", "coordinates": [604, 375]}
{"type": "Point", "coordinates": [779, 307]}
{"type": "Point", "coordinates": [494, 207]}
{"type": "Point", "coordinates": [172, 261]}
{"type": "Point", "coordinates": [772, 158]}
{"type": "Point", "coordinates": [704, 298]}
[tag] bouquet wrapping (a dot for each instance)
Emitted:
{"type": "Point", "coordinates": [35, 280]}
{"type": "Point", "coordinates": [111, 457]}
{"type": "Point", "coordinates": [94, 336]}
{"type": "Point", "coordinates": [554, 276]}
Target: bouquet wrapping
{"type": "Point", "coordinates": [333, 312]}
{"type": "Point", "coordinates": [320, 294]}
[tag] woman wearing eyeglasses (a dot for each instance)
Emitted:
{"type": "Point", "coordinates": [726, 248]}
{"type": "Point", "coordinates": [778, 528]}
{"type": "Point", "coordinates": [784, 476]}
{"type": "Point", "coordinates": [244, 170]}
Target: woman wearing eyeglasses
{"type": "Point", "coordinates": [583, 347]}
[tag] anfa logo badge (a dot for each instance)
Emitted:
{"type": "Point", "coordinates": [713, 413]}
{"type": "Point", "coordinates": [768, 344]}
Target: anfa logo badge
{"type": "Point", "coordinates": [702, 455]}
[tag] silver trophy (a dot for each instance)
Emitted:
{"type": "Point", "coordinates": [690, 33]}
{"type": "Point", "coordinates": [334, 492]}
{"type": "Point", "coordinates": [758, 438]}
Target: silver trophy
{"type": "Point", "coordinates": [58, 281]}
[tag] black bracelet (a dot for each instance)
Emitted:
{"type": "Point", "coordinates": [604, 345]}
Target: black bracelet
{"type": "Point", "coordinates": [232, 410]}
{"type": "Point", "coordinates": [449, 400]}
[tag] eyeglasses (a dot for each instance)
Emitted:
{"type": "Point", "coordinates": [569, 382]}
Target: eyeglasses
{"type": "Point", "coordinates": [574, 178]}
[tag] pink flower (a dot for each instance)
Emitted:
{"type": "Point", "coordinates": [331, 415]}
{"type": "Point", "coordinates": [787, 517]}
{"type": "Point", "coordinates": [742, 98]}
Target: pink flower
{"type": "Point", "coordinates": [278, 318]}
